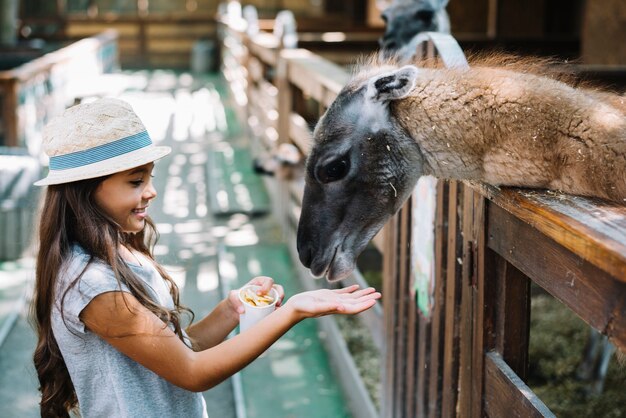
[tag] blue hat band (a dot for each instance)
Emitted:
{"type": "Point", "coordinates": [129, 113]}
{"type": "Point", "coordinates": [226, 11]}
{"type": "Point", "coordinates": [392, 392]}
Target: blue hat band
{"type": "Point", "coordinates": [101, 152]}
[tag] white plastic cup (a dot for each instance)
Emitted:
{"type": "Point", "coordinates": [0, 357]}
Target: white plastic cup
{"type": "Point", "coordinates": [253, 314]}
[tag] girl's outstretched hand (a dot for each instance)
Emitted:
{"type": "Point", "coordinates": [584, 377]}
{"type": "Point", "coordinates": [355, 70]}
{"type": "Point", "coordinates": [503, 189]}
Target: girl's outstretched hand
{"type": "Point", "coordinates": [349, 300]}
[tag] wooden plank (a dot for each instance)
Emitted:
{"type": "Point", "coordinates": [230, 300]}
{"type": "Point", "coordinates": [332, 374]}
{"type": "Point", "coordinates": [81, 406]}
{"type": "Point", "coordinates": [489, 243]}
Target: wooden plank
{"type": "Point", "coordinates": [10, 114]}
{"type": "Point", "coordinates": [264, 46]}
{"type": "Point", "coordinates": [194, 30]}
{"type": "Point", "coordinates": [565, 275]}
{"type": "Point", "coordinates": [593, 229]}
{"type": "Point", "coordinates": [466, 352]}
{"type": "Point", "coordinates": [270, 92]}
{"type": "Point", "coordinates": [420, 401]}
{"type": "Point", "coordinates": [400, 367]}
{"type": "Point", "coordinates": [520, 19]}
{"type": "Point", "coordinates": [255, 68]}
{"type": "Point", "coordinates": [284, 100]}
{"type": "Point", "coordinates": [483, 291]}
{"type": "Point", "coordinates": [452, 304]}
{"type": "Point", "coordinates": [170, 45]}
{"type": "Point", "coordinates": [84, 29]}
{"type": "Point", "coordinates": [300, 134]}
{"type": "Point", "coordinates": [262, 107]}
{"type": "Point", "coordinates": [506, 395]}
{"type": "Point", "coordinates": [315, 75]}
{"type": "Point", "coordinates": [512, 327]}
{"type": "Point", "coordinates": [413, 342]}
{"type": "Point", "coordinates": [337, 38]}
{"type": "Point", "coordinates": [197, 17]}
{"type": "Point", "coordinates": [435, 366]}
{"type": "Point", "coordinates": [379, 241]}
{"type": "Point", "coordinates": [390, 268]}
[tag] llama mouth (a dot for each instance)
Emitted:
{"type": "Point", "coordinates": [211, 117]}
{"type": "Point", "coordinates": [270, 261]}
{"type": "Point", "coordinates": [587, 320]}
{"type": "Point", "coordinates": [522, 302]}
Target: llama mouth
{"type": "Point", "coordinates": [330, 264]}
{"type": "Point", "coordinates": [343, 263]}
{"type": "Point", "coordinates": [322, 270]}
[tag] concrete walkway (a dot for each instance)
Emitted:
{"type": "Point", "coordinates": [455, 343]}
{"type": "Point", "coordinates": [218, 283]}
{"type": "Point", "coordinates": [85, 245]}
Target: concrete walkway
{"type": "Point", "coordinates": [194, 116]}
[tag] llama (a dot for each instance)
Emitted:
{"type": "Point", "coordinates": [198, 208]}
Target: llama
{"type": "Point", "coordinates": [390, 125]}
{"type": "Point", "coordinates": [404, 19]}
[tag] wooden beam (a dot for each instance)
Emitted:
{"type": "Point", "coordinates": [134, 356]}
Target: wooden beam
{"type": "Point", "coordinates": [594, 230]}
{"type": "Point", "coordinates": [506, 395]}
{"type": "Point", "coordinates": [594, 295]}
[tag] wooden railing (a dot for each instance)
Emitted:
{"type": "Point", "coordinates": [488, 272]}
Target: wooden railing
{"type": "Point", "coordinates": [36, 91]}
{"type": "Point", "coordinates": [465, 353]}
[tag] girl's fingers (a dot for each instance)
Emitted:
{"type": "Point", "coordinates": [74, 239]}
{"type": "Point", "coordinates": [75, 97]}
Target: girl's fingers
{"type": "Point", "coordinates": [365, 297]}
{"type": "Point", "coordinates": [266, 287]}
{"type": "Point", "coordinates": [348, 289]}
{"type": "Point", "coordinates": [353, 291]}
{"type": "Point", "coordinates": [264, 282]}
{"type": "Point", "coordinates": [353, 308]}
{"type": "Point", "coordinates": [363, 292]}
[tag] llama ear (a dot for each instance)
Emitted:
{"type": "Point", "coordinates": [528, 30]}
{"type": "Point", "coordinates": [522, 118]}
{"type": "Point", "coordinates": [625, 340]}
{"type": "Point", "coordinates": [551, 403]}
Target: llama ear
{"type": "Point", "coordinates": [392, 86]}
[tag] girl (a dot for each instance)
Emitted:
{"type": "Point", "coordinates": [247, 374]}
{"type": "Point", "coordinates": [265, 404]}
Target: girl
{"type": "Point", "coordinates": [110, 337]}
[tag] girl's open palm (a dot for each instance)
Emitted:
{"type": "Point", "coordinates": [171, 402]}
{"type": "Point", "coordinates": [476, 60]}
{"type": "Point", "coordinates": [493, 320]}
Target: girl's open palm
{"type": "Point", "coordinates": [349, 300]}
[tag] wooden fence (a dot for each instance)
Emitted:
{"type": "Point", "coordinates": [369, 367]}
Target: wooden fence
{"type": "Point", "coordinates": [37, 90]}
{"type": "Point", "coordinates": [465, 351]}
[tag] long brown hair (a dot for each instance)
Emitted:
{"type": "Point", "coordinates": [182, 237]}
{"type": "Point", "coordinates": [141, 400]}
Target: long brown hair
{"type": "Point", "coordinates": [70, 216]}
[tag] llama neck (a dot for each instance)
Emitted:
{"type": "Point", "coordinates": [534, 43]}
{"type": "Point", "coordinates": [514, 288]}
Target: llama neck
{"type": "Point", "coordinates": [508, 128]}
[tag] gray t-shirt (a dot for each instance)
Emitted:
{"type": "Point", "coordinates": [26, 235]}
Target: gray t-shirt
{"type": "Point", "coordinates": [107, 382]}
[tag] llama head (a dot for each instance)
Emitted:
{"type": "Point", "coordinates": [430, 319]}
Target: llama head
{"type": "Point", "coordinates": [405, 19]}
{"type": "Point", "coordinates": [362, 167]}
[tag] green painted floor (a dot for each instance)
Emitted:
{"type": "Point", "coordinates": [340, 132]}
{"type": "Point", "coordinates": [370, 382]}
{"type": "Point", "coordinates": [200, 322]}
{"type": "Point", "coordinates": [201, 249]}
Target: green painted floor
{"type": "Point", "coordinates": [235, 188]}
{"type": "Point", "coordinates": [203, 246]}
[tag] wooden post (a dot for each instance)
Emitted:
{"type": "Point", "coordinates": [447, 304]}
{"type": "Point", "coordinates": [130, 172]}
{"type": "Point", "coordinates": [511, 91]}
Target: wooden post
{"type": "Point", "coordinates": [603, 33]}
{"type": "Point", "coordinates": [390, 292]}
{"type": "Point", "coordinates": [454, 267]}
{"type": "Point", "coordinates": [10, 114]}
{"type": "Point", "coordinates": [437, 329]}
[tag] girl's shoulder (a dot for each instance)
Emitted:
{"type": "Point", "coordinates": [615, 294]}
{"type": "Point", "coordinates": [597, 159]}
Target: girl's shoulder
{"type": "Point", "coordinates": [80, 263]}
{"type": "Point", "coordinates": [79, 257]}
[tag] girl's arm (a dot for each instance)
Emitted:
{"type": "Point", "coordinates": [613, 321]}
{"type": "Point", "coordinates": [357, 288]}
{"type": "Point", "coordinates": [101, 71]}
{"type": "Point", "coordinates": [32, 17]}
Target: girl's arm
{"type": "Point", "coordinates": [128, 326]}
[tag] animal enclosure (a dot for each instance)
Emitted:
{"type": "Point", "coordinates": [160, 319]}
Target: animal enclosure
{"type": "Point", "coordinates": [468, 356]}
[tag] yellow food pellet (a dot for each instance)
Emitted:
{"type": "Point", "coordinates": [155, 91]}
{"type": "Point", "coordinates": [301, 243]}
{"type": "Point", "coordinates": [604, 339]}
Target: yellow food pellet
{"type": "Point", "coordinates": [250, 297]}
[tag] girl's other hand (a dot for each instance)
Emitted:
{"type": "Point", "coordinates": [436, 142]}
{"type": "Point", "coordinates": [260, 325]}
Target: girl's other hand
{"type": "Point", "coordinates": [349, 300]}
{"type": "Point", "coordinates": [266, 283]}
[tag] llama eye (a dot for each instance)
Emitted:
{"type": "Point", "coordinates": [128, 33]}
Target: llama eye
{"type": "Point", "coordinates": [333, 171]}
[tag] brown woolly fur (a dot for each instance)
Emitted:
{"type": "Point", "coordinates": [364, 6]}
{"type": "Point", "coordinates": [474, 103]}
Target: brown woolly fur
{"type": "Point", "coordinates": [553, 68]}
{"type": "Point", "coordinates": [70, 216]}
{"type": "Point", "coordinates": [513, 121]}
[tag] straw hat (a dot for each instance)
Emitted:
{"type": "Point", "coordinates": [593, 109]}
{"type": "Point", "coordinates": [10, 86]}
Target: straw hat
{"type": "Point", "coordinates": [96, 139]}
